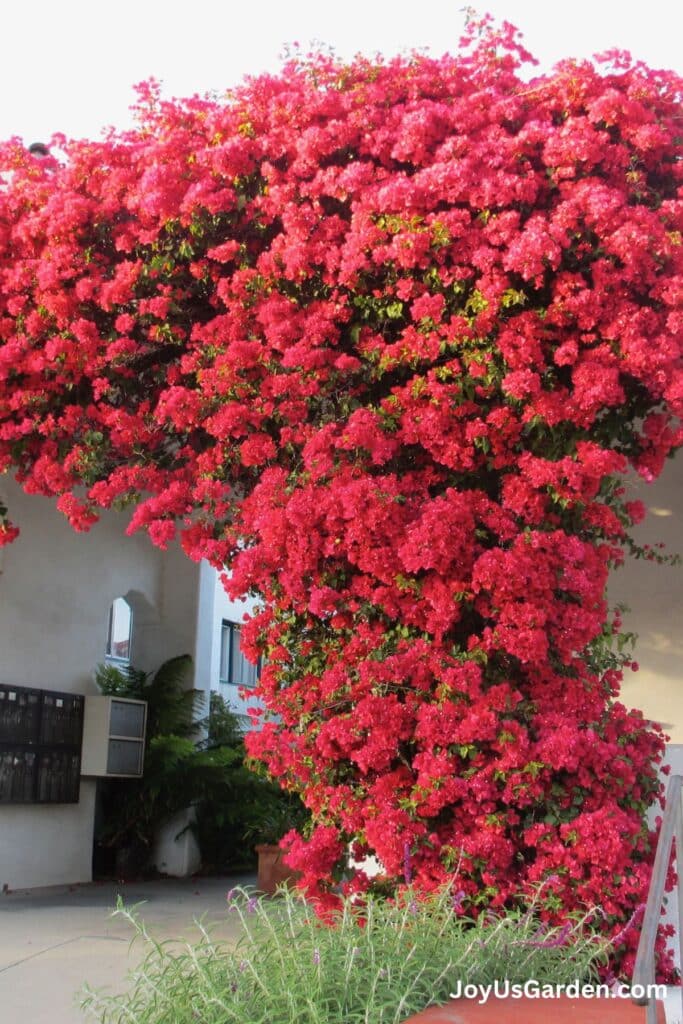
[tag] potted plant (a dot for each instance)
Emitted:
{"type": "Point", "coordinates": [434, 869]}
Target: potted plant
{"type": "Point", "coordinates": [277, 816]}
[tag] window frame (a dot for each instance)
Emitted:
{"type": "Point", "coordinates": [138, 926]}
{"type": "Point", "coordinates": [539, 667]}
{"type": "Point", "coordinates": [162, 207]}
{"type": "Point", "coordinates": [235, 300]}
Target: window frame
{"type": "Point", "coordinates": [232, 630]}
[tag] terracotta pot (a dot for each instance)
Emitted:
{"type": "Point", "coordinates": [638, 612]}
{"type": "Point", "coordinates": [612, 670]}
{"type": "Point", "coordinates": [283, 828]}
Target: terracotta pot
{"type": "Point", "coordinates": [271, 869]}
{"type": "Point", "coordinates": [562, 1010]}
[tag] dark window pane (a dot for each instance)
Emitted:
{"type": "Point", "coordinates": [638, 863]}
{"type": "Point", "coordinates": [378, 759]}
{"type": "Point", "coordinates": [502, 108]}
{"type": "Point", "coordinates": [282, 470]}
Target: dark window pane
{"type": "Point", "coordinates": [234, 667]}
{"type": "Point", "coordinates": [125, 757]}
{"type": "Point", "coordinates": [224, 670]}
{"type": "Point", "coordinates": [127, 719]}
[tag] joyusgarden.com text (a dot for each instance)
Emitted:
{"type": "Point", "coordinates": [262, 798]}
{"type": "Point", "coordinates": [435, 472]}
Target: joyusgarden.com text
{"type": "Point", "coordinates": [532, 989]}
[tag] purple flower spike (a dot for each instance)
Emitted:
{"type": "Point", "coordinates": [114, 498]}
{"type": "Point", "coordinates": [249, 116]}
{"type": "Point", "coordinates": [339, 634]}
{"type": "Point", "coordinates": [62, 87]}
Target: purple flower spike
{"type": "Point", "coordinates": [553, 943]}
{"type": "Point", "coordinates": [620, 936]}
{"type": "Point", "coordinates": [252, 905]}
{"type": "Point", "coordinates": [407, 870]}
{"type": "Point", "coordinates": [458, 900]}
{"type": "Point", "coordinates": [316, 956]}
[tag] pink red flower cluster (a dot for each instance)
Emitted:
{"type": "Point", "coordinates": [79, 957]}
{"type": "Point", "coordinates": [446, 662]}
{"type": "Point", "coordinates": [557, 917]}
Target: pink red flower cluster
{"type": "Point", "coordinates": [381, 338]}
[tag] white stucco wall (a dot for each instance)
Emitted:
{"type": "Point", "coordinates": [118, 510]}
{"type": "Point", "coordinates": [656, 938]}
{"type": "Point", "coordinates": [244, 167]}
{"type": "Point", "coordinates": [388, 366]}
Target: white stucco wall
{"type": "Point", "coordinates": [57, 585]}
{"type": "Point", "coordinates": [654, 594]}
{"type": "Point", "coordinates": [56, 588]}
{"type": "Point", "coordinates": [230, 611]}
{"type": "Point", "coordinates": [176, 851]}
{"type": "Point", "coordinates": [48, 844]}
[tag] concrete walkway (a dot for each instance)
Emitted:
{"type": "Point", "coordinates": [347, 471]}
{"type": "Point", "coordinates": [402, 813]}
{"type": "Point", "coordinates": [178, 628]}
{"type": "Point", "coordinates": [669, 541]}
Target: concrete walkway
{"type": "Point", "coordinates": [54, 940]}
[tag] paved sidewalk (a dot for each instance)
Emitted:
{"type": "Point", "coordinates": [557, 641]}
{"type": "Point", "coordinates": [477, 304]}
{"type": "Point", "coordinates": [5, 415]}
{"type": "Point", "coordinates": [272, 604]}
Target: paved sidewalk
{"type": "Point", "coordinates": [54, 940]}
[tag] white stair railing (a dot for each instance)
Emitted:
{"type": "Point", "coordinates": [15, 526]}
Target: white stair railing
{"type": "Point", "coordinates": [644, 969]}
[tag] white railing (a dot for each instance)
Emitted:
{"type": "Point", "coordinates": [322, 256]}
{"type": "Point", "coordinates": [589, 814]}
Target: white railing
{"type": "Point", "coordinates": [672, 828]}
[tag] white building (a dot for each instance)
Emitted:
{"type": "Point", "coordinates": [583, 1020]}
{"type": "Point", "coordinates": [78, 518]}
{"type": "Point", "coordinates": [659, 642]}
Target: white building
{"type": "Point", "coordinates": [67, 601]}
{"type": "Point", "coordinates": [219, 654]}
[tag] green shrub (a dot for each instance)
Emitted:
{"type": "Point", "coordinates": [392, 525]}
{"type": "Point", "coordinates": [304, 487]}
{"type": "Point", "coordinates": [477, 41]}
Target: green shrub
{"type": "Point", "coordinates": [240, 808]}
{"type": "Point", "coordinates": [190, 761]}
{"type": "Point", "coordinates": [132, 810]}
{"type": "Point", "coordinates": [290, 967]}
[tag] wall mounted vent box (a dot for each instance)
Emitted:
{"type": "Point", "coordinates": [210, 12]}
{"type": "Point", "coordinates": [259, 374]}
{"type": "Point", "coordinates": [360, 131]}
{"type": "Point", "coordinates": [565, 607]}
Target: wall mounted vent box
{"type": "Point", "coordinates": [114, 737]}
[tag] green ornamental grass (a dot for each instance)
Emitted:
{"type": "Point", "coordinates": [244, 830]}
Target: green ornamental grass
{"type": "Point", "coordinates": [375, 965]}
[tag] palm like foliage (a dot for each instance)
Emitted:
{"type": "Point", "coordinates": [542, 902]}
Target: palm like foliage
{"type": "Point", "coordinates": [171, 705]}
{"type": "Point", "coordinates": [179, 770]}
{"type": "Point", "coordinates": [190, 762]}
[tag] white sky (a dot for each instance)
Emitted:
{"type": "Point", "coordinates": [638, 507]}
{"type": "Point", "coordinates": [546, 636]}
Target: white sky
{"type": "Point", "coordinates": [69, 65]}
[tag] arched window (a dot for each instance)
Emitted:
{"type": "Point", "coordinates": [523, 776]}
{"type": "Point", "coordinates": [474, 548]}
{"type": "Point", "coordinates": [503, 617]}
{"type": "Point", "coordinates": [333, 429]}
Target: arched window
{"type": "Point", "coordinates": [120, 631]}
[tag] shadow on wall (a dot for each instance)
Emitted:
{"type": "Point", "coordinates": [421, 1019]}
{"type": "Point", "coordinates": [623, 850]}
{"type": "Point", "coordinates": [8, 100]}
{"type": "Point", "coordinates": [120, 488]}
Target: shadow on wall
{"type": "Point", "coordinates": [654, 595]}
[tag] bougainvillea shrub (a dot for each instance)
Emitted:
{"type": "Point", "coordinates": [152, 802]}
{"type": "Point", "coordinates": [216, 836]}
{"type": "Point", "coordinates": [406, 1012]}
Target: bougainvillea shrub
{"type": "Point", "coordinates": [383, 339]}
